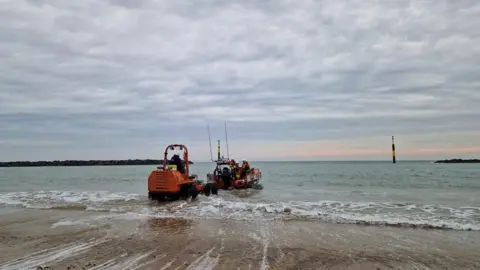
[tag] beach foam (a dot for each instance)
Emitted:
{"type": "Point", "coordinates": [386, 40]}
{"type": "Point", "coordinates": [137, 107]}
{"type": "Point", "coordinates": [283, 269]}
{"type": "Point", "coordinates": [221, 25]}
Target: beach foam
{"type": "Point", "coordinates": [226, 206]}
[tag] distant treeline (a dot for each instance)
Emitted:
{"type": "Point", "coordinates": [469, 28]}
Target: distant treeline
{"type": "Point", "coordinates": [83, 163]}
{"type": "Point", "coordinates": [457, 160]}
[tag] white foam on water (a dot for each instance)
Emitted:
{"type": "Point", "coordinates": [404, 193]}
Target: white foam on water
{"type": "Point", "coordinates": [92, 221]}
{"type": "Point", "coordinates": [56, 198]}
{"type": "Point", "coordinates": [68, 223]}
{"type": "Point", "coordinates": [136, 206]}
{"type": "Point", "coordinates": [366, 213]}
{"type": "Point", "coordinates": [373, 213]}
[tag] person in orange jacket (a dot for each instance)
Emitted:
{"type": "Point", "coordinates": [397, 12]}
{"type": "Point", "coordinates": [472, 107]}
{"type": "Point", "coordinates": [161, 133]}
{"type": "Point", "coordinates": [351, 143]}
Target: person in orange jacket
{"type": "Point", "coordinates": [245, 167]}
{"type": "Point", "coordinates": [233, 169]}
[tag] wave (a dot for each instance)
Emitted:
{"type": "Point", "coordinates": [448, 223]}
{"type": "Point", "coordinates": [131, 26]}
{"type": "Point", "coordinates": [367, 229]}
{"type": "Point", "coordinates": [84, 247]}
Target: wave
{"type": "Point", "coordinates": [67, 200]}
{"type": "Point", "coordinates": [362, 213]}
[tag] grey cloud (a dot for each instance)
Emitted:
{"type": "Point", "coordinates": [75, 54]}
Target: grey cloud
{"type": "Point", "coordinates": [118, 72]}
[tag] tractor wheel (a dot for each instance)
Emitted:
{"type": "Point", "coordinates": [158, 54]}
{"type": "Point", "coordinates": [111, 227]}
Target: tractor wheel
{"type": "Point", "coordinates": [155, 197]}
{"type": "Point", "coordinates": [214, 189]}
{"type": "Point", "coordinates": [207, 189]}
{"type": "Point", "coordinates": [173, 197]}
{"type": "Point", "coordinates": [193, 192]}
{"type": "Point", "coordinates": [184, 192]}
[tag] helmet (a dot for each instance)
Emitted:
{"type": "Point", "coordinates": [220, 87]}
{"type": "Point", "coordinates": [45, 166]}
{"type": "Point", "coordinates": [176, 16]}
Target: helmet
{"type": "Point", "coordinates": [244, 160]}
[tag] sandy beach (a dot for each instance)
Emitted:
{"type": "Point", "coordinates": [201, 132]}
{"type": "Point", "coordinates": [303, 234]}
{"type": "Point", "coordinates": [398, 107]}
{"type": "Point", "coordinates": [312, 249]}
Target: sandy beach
{"type": "Point", "coordinates": [66, 239]}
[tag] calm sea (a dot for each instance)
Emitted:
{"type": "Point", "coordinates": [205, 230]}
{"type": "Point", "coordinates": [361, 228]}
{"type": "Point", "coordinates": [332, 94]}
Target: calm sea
{"type": "Point", "coordinates": [409, 194]}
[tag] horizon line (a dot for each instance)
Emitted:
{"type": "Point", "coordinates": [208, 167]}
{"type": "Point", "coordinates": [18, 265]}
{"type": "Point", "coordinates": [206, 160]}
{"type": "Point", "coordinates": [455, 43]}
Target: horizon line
{"type": "Point", "coordinates": [261, 160]}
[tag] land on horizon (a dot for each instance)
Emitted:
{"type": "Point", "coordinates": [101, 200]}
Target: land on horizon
{"type": "Point", "coordinates": [83, 163]}
{"type": "Point", "coordinates": [127, 162]}
{"type": "Point", "coordinates": [458, 160]}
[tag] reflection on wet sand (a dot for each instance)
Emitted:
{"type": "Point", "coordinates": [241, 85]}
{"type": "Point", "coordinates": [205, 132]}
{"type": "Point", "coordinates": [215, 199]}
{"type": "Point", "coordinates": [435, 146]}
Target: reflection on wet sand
{"type": "Point", "coordinates": [29, 240]}
{"type": "Point", "coordinates": [169, 225]}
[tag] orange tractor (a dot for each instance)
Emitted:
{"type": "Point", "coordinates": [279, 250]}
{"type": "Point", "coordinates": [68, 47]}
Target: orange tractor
{"type": "Point", "coordinates": [173, 181]}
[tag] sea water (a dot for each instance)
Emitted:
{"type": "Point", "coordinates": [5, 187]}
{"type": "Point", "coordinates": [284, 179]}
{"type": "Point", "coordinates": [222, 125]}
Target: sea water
{"type": "Point", "coordinates": [406, 194]}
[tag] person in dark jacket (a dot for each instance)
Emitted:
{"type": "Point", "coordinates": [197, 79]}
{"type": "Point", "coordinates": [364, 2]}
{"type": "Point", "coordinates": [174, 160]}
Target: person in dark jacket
{"type": "Point", "coordinates": [177, 161]}
{"type": "Point", "coordinates": [227, 177]}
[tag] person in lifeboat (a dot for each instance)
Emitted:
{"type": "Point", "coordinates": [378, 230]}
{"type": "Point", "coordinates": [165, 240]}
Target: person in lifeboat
{"type": "Point", "coordinates": [245, 168]}
{"type": "Point", "coordinates": [234, 169]}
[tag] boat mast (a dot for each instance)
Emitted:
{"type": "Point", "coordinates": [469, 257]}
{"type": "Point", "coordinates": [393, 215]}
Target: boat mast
{"type": "Point", "coordinates": [210, 142]}
{"type": "Point", "coordinates": [226, 140]}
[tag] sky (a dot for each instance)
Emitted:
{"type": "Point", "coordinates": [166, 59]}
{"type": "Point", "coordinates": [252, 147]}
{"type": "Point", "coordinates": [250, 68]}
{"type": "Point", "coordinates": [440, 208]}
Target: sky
{"type": "Point", "coordinates": [294, 80]}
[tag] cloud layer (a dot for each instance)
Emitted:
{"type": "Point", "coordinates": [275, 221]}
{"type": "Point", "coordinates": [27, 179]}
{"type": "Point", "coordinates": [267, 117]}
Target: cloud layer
{"type": "Point", "coordinates": [120, 79]}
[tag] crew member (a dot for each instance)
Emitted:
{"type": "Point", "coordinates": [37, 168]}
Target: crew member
{"type": "Point", "coordinates": [232, 164]}
{"type": "Point", "coordinates": [238, 171]}
{"type": "Point", "coordinates": [176, 160]}
{"type": "Point", "coordinates": [245, 167]}
{"type": "Point", "coordinates": [226, 177]}
{"type": "Point", "coordinates": [233, 168]}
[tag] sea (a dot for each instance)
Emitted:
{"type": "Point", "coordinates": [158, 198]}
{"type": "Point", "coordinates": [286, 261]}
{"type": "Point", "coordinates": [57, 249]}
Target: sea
{"type": "Point", "coordinates": [414, 194]}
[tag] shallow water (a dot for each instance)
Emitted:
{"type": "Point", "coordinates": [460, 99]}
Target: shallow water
{"type": "Point", "coordinates": [59, 239]}
{"type": "Point", "coordinates": [407, 194]}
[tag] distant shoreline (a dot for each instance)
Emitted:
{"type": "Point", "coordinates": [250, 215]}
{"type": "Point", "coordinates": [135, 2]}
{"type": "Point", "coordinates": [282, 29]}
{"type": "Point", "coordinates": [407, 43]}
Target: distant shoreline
{"type": "Point", "coordinates": [63, 163]}
{"type": "Point", "coordinates": [457, 160]}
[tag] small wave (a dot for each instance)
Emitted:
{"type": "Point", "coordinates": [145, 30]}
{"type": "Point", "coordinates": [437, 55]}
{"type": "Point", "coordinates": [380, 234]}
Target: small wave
{"type": "Point", "coordinates": [67, 200]}
{"type": "Point", "coordinates": [420, 225]}
{"type": "Point", "coordinates": [69, 207]}
{"type": "Point", "coordinates": [395, 214]}
{"type": "Point", "coordinates": [68, 223]}
{"type": "Point", "coordinates": [362, 213]}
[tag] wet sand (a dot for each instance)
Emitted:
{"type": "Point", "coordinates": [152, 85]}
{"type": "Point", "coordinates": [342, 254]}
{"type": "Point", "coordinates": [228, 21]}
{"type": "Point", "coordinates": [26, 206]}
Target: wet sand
{"type": "Point", "coordinates": [60, 239]}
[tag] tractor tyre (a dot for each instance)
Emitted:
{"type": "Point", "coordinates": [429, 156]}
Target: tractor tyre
{"type": "Point", "coordinates": [214, 189]}
{"type": "Point", "coordinates": [207, 189]}
{"type": "Point", "coordinates": [184, 192]}
{"type": "Point", "coordinates": [193, 192]}
{"type": "Point", "coordinates": [175, 197]}
{"type": "Point", "coordinates": [156, 197]}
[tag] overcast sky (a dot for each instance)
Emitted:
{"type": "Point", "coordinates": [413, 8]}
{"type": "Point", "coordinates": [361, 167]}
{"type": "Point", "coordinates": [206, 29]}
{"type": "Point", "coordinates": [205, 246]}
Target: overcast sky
{"type": "Point", "coordinates": [99, 79]}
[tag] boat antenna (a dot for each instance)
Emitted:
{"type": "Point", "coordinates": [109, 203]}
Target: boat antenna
{"type": "Point", "coordinates": [210, 142]}
{"type": "Point", "coordinates": [226, 140]}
